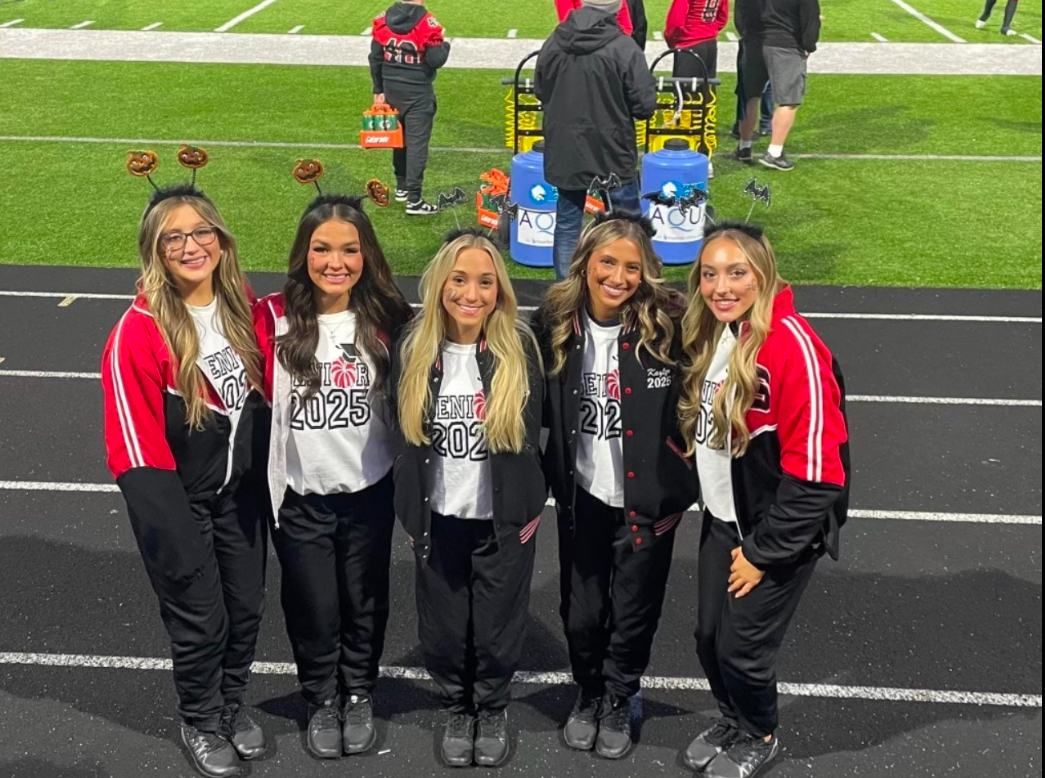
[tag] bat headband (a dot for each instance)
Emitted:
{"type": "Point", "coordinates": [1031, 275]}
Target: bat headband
{"type": "Point", "coordinates": [643, 222]}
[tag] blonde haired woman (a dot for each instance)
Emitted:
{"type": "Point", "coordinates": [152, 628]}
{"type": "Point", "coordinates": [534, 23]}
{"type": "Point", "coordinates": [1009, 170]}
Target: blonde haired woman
{"type": "Point", "coordinates": [763, 410]}
{"type": "Point", "coordinates": [469, 488]}
{"type": "Point", "coordinates": [609, 336]}
{"type": "Point", "coordinates": [179, 375]}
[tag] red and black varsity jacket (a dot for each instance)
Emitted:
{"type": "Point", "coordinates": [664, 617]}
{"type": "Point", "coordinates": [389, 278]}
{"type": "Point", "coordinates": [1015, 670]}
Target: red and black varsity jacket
{"type": "Point", "coordinates": [162, 467]}
{"type": "Point", "coordinates": [690, 22]}
{"type": "Point", "coordinates": [408, 47]}
{"type": "Point", "coordinates": [791, 486]}
{"type": "Point", "coordinates": [660, 482]}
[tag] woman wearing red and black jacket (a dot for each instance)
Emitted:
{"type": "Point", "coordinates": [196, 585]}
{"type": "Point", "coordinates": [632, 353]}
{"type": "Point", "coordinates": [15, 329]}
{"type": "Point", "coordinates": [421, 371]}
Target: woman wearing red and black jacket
{"type": "Point", "coordinates": [763, 409]}
{"type": "Point", "coordinates": [179, 374]}
{"type": "Point", "coordinates": [327, 344]}
{"type": "Point", "coordinates": [564, 8]}
{"type": "Point", "coordinates": [609, 338]}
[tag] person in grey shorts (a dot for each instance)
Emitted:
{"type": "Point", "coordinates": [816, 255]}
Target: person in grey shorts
{"type": "Point", "coordinates": [788, 31]}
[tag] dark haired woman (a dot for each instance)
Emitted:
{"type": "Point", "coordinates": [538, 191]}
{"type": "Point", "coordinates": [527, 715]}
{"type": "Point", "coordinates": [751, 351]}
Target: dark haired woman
{"type": "Point", "coordinates": [326, 340]}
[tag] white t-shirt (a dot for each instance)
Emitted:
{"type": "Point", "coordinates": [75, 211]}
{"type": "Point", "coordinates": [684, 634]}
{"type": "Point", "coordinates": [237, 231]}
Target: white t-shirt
{"type": "Point", "coordinates": [714, 466]}
{"type": "Point", "coordinates": [461, 483]}
{"type": "Point", "coordinates": [600, 453]}
{"type": "Point", "coordinates": [340, 438]}
{"type": "Point", "coordinates": [222, 367]}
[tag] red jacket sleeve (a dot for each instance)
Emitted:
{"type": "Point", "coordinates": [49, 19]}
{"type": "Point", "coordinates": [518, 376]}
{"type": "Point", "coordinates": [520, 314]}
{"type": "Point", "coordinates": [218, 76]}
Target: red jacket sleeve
{"type": "Point", "coordinates": [134, 388]}
{"type": "Point", "coordinates": [265, 332]}
{"type": "Point", "coordinates": [675, 24]}
{"type": "Point", "coordinates": [810, 425]}
{"type": "Point", "coordinates": [624, 19]}
{"type": "Point", "coordinates": [564, 7]}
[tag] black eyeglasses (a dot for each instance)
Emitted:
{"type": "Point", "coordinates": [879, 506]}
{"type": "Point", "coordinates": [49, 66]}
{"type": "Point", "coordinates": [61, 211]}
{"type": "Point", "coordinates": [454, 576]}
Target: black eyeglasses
{"type": "Point", "coordinates": [175, 241]}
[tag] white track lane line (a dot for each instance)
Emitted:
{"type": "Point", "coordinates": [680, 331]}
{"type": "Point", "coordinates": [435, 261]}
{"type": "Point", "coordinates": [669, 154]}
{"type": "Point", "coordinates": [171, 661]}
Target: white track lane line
{"type": "Point", "coordinates": [245, 15]}
{"type": "Point", "coordinates": [531, 309]}
{"type": "Point", "coordinates": [926, 20]}
{"type": "Point", "coordinates": [855, 398]}
{"type": "Point", "coordinates": [826, 691]}
{"type": "Point", "coordinates": [856, 513]}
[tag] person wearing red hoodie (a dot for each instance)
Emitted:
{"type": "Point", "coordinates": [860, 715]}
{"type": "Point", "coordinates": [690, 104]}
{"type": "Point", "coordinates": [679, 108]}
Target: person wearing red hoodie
{"type": "Point", "coordinates": [694, 25]}
{"type": "Point", "coordinates": [565, 7]}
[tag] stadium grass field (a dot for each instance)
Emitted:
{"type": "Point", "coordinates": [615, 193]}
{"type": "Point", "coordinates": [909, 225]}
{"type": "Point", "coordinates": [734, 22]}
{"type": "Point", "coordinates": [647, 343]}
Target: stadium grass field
{"type": "Point", "coordinates": [845, 20]}
{"type": "Point", "coordinates": [892, 222]}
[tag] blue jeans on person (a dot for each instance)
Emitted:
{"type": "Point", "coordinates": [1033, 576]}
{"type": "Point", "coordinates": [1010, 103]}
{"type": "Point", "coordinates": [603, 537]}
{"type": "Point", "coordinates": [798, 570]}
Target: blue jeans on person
{"type": "Point", "coordinates": [569, 220]}
{"type": "Point", "coordinates": [765, 124]}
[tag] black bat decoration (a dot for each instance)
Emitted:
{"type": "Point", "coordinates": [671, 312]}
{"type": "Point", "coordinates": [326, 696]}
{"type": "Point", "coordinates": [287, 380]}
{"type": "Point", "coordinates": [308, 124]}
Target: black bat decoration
{"type": "Point", "coordinates": [757, 191]}
{"type": "Point", "coordinates": [692, 200]}
{"type": "Point", "coordinates": [601, 187]}
{"type": "Point", "coordinates": [452, 199]}
{"type": "Point", "coordinates": [502, 205]}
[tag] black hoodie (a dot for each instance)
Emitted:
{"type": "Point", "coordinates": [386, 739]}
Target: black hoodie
{"type": "Point", "coordinates": [593, 82]}
{"type": "Point", "coordinates": [791, 24]}
{"type": "Point", "coordinates": [408, 47]}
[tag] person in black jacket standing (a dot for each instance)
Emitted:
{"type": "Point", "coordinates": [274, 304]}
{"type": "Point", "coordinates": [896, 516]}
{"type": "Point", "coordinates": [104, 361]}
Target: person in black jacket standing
{"type": "Point", "coordinates": [787, 31]}
{"type": "Point", "coordinates": [639, 24]}
{"type": "Point", "coordinates": [609, 337]}
{"type": "Point", "coordinates": [469, 487]}
{"type": "Point", "coordinates": [594, 83]}
{"type": "Point", "coordinates": [407, 50]}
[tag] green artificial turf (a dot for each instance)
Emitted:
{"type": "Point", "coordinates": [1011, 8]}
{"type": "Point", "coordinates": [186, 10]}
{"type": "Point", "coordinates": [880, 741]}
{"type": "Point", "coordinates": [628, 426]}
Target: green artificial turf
{"type": "Point", "coordinates": [844, 221]}
{"type": "Point", "coordinates": [845, 20]}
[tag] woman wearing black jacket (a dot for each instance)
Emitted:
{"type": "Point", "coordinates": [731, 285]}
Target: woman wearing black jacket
{"type": "Point", "coordinates": [469, 488]}
{"type": "Point", "coordinates": [609, 336]}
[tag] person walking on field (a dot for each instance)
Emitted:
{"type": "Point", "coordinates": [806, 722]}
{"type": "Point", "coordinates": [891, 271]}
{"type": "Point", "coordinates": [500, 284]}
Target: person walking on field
{"type": "Point", "coordinates": [1006, 22]}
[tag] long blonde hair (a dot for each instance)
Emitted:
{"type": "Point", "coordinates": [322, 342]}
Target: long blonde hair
{"type": "Point", "coordinates": [653, 307]}
{"type": "Point", "coordinates": [504, 425]}
{"type": "Point", "coordinates": [701, 332]}
{"type": "Point", "coordinates": [172, 317]}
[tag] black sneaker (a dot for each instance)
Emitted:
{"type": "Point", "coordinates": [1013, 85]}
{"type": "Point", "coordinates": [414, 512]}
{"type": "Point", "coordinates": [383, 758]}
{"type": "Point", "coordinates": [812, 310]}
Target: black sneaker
{"type": "Point", "coordinates": [324, 730]}
{"type": "Point", "coordinates": [744, 759]}
{"type": "Point", "coordinates": [710, 743]}
{"type": "Point", "coordinates": [491, 741]}
{"type": "Point", "coordinates": [212, 755]}
{"type": "Point", "coordinates": [582, 726]}
{"type": "Point", "coordinates": [246, 736]}
{"type": "Point", "coordinates": [402, 195]}
{"type": "Point", "coordinates": [458, 744]}
{"type": "Point", "coordinates": [357, 731]}
{"type": "Point", "coordinates": [614, 740]}
{"type": "Point", "coordinates": [777, 163]}
{"type": "Point", "coordinates": [421, 208]}
{"type": "Point", "coordinates": [742, 155]}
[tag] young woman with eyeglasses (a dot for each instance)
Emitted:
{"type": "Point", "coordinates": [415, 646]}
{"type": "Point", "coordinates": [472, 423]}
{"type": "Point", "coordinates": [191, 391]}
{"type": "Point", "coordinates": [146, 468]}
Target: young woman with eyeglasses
{"type": "Point", "coordinates": [180, 374]}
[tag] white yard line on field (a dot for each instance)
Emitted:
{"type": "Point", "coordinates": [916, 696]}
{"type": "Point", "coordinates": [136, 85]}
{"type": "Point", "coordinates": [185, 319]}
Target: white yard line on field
{"type": "Point", "coordinates": [152, 26]}
{"type": "Point", "coordinates": [513, 33]}
{"type": "Point", "coordinates": [11, 23]}
{"type": "Point", "coordinates": [295, 30]}
{"type": "Point", "coordinates": [81, 25]}
{"type": "Point", "coordinates": [879, 38]}
{"type": "Point", "coordinates": [244, 16]}
{"type": "Point", "coordinates": [1030, 38]}
{"type": "Point", "coordinates": [489, 150]}
{"type": "Point", "coordinates": [675, 683]}
{"type": "Point", "coordinates": [731, 36]}
{"type": "Point", "coordinates": [926, 20]}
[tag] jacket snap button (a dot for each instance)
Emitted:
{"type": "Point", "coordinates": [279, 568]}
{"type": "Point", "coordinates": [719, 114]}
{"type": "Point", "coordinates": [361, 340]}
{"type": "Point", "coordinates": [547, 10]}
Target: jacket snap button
{"type": "Point", "coordinates": [426, 499]}
{"type": "Point", "coordinates": [638, 541]}
{"type": "Point", "coordinates": [427, 461]}
{"type": "Point", "coordinates": [634, 527]}
{"type": "Point", "coordinates": [629, 433]}
{"type": "Point", "coordinates": [631, 474]}
{"type": "Point", "coordinates": [632, 515]}
{"type": "Point", "coordinates": [625, 346]}
{"type": "Point", "coordinates": [627, 390]}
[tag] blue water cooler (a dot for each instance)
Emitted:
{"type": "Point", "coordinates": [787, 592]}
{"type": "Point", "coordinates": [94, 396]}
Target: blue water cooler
{"type": "Point", "coordinates": [674, 172]}
{"type": "Point", "coordinates": [533, 229]}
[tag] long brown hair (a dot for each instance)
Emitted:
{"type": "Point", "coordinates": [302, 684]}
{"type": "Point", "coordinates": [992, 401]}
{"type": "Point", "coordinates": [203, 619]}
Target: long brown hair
{"type": "Point", "coordinates": [504, 425]}
{"type": "Point", "coordinates": [170, 312]}
{"type": "Point", "coordinates": [377, 302]}
{"type": "Point", "coordinates": [701, 332]}
{"type": "Point", "coordinates": [653, 307]}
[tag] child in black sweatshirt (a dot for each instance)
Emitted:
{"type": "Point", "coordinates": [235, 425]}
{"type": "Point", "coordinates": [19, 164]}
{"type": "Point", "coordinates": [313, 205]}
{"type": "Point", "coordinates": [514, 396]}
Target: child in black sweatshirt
{"type": "Point", "coordinates": [407, 50]}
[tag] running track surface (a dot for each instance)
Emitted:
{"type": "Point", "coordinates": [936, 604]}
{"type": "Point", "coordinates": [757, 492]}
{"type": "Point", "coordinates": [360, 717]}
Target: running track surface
{"type": "Point", "coordinates": [944, 606]}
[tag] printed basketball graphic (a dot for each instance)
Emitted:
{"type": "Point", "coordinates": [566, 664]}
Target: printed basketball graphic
{"type": "Point", "coordinates": [613, 385]}
{"type": "Point", "coordinates": [343, 373]}
{"type": "Point", "coordinates": [479, 403]}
